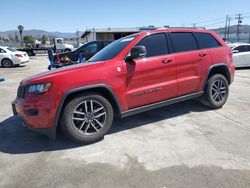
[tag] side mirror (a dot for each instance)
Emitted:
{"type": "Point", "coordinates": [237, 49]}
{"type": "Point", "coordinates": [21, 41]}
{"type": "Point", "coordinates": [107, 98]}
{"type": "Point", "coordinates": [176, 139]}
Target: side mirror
{"type": "Point", "coordinates": [137, 52]}
{"type": "Point", "coordinates": [235, 51]}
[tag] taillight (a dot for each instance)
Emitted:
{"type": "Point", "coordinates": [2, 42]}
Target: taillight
{"type": "Point", "coordinates": [18, 55]}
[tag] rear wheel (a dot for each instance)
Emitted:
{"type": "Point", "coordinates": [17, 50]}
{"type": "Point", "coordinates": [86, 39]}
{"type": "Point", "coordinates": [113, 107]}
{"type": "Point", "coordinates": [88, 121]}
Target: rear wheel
{"type": "Point", "coordinates": [87, 118]}
{"type": "Point", "coordinates": [216, 92]}
{"type": "Point", "coordinates": [7, 63]}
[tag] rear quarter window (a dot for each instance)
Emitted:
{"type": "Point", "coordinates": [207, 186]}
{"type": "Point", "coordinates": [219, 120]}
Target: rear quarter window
{"type": "Point", "coordinates": [183, 41]}
{"type": "Point", "coordinates": [205, 40]}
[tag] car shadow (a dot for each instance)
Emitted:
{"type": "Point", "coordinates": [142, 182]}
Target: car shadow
{"type": "Point", "coordinates": [15, 66]}
{"type": "Point", "coordinates": [15, 139]}
{"type": "Point", "coordinates": [242, 68]}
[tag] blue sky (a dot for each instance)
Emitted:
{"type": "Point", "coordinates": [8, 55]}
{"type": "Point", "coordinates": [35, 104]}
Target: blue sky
{"type": "Point", "coordinates": [70, 15]}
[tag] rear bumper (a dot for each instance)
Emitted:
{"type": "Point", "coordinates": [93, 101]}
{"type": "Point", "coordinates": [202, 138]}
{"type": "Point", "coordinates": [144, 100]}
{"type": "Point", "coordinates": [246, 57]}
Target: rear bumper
{"type": "Point", "coordinates": [26, 119]}
{"type": "Point", "coordinates": [18, 61]}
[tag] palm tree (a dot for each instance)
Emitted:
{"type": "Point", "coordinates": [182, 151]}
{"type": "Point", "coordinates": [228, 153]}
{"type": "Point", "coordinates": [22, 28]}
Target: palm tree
{"type": "Point", "coordinates": [20, 29]}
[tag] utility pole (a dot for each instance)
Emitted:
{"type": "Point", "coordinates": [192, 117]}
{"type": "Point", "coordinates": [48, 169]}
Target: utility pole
{"type": "Point", "coordinates": [77, 37]}
{"type": "Point", "coordinates": [239, 18]}
{"type": "Point", "coordinates": [225, 34]}
{"type": "Point", "coordinates": [228, 27]}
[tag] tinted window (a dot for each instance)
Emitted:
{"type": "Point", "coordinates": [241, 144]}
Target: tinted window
{"type": "Point", "coordinates": [12, 49]}
{"type": "Point", "coordinates": [184, 42]}
{"type": "Point", "coordinates": [112, 50]}
{"type": "Point", "coordinates": [155, 45]}
{"type": "Point", "coordinates": [89, 49]}
{"type": "Point", "coordinates": [206, 40]}
{"type": "Point", "coordinates": [243, 48]}
{"type": "Point", "coordinates": [59, 41]}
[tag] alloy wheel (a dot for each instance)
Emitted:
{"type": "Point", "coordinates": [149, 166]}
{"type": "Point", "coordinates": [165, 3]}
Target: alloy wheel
{"type": "Point", "coordinates": [219, 90]}
{"type": "Point", "coordinates": [89, 117]}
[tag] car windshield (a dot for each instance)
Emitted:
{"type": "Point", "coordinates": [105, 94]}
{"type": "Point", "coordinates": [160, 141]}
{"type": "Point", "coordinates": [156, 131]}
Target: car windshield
{"type": "Point", "coordinates": [112, 49]}
{"type": "Point", "coordinates": [12, 49]}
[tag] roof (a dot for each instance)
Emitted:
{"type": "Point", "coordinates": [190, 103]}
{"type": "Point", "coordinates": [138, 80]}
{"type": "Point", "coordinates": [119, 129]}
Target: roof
{"type": "Point", "coordinates": [137, 29]}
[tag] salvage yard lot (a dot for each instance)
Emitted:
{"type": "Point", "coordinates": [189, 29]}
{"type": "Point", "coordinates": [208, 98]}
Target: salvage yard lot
{"type": "Point", "coordinates": [182, 145]}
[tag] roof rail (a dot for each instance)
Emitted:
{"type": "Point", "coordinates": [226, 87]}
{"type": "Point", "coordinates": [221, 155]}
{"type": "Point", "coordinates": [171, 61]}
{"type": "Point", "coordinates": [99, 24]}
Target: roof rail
{"type": "Point", "coordinates": [184, 27]}
{"type": "Point", "coordinates": [167, 27]}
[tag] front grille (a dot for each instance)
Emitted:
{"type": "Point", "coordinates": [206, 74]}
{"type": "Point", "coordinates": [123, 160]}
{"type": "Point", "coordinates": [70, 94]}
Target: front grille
{"type": "Point", "coordinates": [21, 92]}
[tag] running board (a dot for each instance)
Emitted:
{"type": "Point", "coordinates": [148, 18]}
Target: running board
{"type": "Point", "coordinates": [160, 104]}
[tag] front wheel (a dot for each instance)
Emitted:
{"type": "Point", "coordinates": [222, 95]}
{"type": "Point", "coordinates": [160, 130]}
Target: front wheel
{"type": "Point", "coordinates": [87, 118]}
{"type": "Point", "coordinates": [216, 92]}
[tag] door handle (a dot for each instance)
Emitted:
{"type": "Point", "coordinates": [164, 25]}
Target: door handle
{"type": "Point", "coordinates": [166, 61]}
{"type": "Point", "coordinates": [202, 54]}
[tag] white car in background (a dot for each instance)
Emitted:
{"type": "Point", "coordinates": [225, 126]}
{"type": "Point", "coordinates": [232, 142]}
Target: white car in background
{"type": "Point", "coordinates": [241, 54]}
{"type": "Point", "coordinates": [10, 57]}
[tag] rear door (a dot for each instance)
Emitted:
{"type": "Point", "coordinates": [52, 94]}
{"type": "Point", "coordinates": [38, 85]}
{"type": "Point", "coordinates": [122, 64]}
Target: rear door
{"type": "Point", "coordinates": [153, 78]}
{"type": "Point", "coordinates": [191, 62]}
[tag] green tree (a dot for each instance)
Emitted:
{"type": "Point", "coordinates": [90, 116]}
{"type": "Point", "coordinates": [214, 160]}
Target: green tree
{"type": "Point", "coordinates": [44, 39]}
{"type": "Point", "coordinates": [20, 29]}
{"type": "Point", "coordinates": [28, 39]}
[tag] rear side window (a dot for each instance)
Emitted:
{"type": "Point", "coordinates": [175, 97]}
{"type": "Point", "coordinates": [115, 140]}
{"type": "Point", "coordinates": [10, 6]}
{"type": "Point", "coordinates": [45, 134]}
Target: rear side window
{"type": "Point", "coordinates": [243, 48]}
{"type": "Point", "coordinates": [184, 42]}
{"type": "Point", "coordinates": [155, 44]}
{"type": "Point", "coordinates": [205, 40]}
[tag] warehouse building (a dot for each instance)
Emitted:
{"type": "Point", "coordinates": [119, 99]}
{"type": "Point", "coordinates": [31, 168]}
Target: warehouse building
{"type": "Point", "coordinates": [110, 34]}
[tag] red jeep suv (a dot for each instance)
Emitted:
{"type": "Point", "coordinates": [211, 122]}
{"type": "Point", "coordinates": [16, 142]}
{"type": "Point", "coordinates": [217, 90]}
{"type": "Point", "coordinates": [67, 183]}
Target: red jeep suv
{"type": "Point", "coordinates": [140, 72]}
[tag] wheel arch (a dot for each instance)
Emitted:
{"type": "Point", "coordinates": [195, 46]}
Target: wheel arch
{"type": "Point", "coordinates": [218, 69]}
{"type": "Point", "coordinates": [7, 59]}
{"type": "Point", "coordinates": [103, 89]}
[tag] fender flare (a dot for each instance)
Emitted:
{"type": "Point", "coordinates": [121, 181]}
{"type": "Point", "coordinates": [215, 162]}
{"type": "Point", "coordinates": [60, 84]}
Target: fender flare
{"type": "Point", "coordinates": [213, 67]}
{"type": "Point", "coordinates": [75, 90]}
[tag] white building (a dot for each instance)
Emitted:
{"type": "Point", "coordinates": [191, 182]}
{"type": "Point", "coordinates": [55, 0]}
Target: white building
{"type": "Point", "coordinates": [108, 34]}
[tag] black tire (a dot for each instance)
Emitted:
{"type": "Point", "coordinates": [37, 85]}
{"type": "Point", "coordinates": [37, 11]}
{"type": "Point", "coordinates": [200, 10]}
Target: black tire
{"type": "Point", "coordinates": [31, 53]}
{"type": "Point", "coordinates": [86, 131]}
{"type": "Point", "coordinates": [7, 63]}
{"type": "Point", "coordinates": [216, 92]}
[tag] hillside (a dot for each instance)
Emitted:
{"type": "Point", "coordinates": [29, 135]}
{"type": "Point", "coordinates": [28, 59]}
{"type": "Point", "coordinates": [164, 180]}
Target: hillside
{"type": "Point", "coordinates": [36, 33]}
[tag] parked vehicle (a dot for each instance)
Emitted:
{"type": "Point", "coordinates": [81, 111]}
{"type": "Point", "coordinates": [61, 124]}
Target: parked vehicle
{"type": "Point", "coordinates": [58, 46]}
{"type": "Point", "coordinates": [134, 74]}
{"type": "Point", "coordinates": [87, 50]}
{"type": "Point", "coordinates": [10, 57]}
{"type": "Point", "coordinates": [241, 54]}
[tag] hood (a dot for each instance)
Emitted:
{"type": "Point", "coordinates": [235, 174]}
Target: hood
{"type": "Point", "coordinates": [64, 71]}
{"type": "Point", "coordinates": [69, 46]}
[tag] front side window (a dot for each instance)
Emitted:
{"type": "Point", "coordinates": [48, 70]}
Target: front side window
{"type": "Point", "coordinates": [59, 41]}
{"type": "Point", "coordinates": [205, 40]}
{"type": "Point", "coordinates": [183, 42]}
{"type": "Point", "coordinates": [91, 48]}
{"type": "Point", "coordinates": [155, 44]}
{"type": "Point", "coordinates": [2, 50]}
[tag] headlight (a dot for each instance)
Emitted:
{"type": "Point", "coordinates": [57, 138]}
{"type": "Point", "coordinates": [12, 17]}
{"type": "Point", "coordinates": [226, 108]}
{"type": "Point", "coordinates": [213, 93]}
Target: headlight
{"type": "Point", "coordinates": [39, 88]}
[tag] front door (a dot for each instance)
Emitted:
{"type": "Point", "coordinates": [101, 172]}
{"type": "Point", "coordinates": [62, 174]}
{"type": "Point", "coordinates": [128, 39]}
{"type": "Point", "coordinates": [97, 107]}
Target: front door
{"type": "Point", "coordinates": [153, 78]}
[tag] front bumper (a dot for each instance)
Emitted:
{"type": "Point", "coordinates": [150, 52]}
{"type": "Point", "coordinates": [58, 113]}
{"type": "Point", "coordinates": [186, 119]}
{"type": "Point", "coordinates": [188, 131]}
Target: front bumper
{"type": "Point", "coordinates": [19, 109]}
